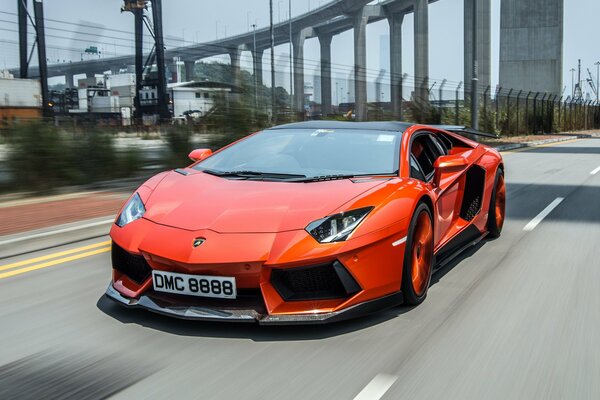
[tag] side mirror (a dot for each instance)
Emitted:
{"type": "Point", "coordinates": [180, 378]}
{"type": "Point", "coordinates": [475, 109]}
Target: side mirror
{"type": "Point", "coordinates": [445, 165]}
{"type": "Point", "coordinates": [200, 154]}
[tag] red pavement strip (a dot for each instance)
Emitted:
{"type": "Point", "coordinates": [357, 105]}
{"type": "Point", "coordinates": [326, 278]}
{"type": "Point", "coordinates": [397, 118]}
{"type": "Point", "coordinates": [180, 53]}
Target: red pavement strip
{"type": "Point", "coordinates": [27, 217]}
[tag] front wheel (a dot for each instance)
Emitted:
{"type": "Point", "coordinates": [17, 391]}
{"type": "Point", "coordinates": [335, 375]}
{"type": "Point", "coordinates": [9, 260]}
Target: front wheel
{"type": "Point", "coordinates": [418, 256]}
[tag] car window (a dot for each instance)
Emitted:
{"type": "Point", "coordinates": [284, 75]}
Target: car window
{"type": "Point", "coordinates": [440, 144]}
{"type": "Point", "coordinates": [415, 170]}
{"type": "Point", "coordinates": [311, 152]}
{"type": "Point", "coordinates": [425, 151]}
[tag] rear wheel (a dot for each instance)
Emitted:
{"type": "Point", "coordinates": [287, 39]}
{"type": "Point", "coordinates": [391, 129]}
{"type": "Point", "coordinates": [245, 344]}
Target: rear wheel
{"type": "Point", "coordinates": [418, 256]}
{"type": "Point", "coordinates": [497, 212]}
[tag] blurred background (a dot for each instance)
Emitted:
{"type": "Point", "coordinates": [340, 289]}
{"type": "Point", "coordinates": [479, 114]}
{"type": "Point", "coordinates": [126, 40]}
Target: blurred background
{"type": "Point", "coordinates": [120, 100]}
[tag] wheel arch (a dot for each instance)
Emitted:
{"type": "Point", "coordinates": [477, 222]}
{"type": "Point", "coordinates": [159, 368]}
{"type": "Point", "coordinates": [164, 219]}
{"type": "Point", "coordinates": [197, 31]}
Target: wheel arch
{"type": "Point", "coordinates": [429, 203]}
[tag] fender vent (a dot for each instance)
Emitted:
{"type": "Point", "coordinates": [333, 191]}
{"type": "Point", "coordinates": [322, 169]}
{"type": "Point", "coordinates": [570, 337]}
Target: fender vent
{"type": "Point", "coordinates": [473, 196]}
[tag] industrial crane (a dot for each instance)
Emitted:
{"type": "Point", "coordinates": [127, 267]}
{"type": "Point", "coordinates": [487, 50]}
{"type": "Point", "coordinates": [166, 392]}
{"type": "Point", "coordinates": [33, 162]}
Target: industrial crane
{"type": "Point", "coordinates": [590, 82]}
{"type": "Point", "coordinates": [143, 80]}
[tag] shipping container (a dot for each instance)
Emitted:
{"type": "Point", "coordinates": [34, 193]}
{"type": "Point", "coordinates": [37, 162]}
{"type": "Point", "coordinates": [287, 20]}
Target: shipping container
{"type": "Point", "coordinates": [20, 93]}
{"type": "Point", "coordinates": [120, 80]}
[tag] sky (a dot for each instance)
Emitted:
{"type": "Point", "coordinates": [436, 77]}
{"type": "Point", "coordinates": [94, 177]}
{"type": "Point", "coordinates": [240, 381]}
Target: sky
{"type": "Point", "coordinates": [100, 23]}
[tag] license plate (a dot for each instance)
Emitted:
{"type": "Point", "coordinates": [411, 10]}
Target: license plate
{"type": "Point", "coordinates": [194, 285]}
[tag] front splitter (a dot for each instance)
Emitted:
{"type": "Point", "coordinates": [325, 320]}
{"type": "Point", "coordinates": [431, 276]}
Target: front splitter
{"type": "Point", "coordinates": [193, 312]}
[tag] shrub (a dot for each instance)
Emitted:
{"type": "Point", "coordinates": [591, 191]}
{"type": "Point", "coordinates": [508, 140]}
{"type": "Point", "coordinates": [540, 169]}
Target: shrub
{"type": "Point", "coordinates": [38, 157]}
{"type": "Point", "coordinates": [42, 158]}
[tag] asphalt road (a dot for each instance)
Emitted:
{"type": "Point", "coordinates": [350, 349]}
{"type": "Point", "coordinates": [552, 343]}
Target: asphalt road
{"type": "Point", "coordinates": [513, 318]}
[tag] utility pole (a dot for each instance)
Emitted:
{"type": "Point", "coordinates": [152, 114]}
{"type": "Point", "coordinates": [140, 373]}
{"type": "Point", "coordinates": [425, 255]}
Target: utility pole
{"type": "Point", "coordinates": [291, 66]}
{"type": "Point", "coordinates": [137, 7]}
{"type": "Point", "coordinates": [24, 62]}
{"type": "Point", "coordinates": [138, 16]}
{"type": "Point", "coordinates": [38, 10]}
{"type": "Point", "coordinates": [273, 106]}
{"type": "Point", "coordinates": [254, 57]}
{"type": "Point", "coordinates": [475, 80]}
{"type": "Point", "coordinates": [161, 89]}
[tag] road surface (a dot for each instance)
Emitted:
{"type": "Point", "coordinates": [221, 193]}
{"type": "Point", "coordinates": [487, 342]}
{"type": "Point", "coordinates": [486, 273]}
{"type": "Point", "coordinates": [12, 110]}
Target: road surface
{"type": "Point", "coordinates": [513, 318]}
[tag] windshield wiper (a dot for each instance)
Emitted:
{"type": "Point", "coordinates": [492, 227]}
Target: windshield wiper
{"type": "Point", "coordinates": [253, 174]}
{"type": "Point", "coordinates": [322, 178]}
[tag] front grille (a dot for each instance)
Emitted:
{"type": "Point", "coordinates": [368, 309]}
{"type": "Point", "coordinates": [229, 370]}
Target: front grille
{"type": "Point", "coordinates": [317, 282]}
{"type": "Point", "coordinates": [134, 266]}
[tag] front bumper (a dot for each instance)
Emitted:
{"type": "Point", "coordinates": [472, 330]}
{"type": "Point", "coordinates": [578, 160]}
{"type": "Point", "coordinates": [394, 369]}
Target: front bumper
{"type": "Point", "coordinates": [176, 309]}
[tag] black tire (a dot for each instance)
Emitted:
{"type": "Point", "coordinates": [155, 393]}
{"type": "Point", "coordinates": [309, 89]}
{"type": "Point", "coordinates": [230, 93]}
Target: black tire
{"type": "Point", "coordinates": [411, 296]}
{"type": "Point", "coordinates": [494, 225]}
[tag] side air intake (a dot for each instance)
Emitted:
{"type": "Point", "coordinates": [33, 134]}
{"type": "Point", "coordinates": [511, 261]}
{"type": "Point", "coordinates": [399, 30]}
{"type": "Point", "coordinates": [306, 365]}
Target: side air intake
{"type": "Point", "coordinates": [473, 196]}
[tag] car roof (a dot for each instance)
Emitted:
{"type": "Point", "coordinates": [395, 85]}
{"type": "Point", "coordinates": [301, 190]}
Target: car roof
{"type": "Point", "coordinates": [391, 126]}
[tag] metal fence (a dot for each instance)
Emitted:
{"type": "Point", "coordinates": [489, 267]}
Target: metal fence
{"type": "Point", "coordinates": [507, 112]}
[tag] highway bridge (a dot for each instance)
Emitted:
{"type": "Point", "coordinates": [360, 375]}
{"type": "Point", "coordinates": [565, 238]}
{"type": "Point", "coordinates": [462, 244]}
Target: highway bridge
{"type": "Point", "coordinates": [530, 41]}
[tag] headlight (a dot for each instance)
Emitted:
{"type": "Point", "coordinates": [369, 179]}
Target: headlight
{"type": "Point", "coordinates": [134, 209]}
{"type": "Point", "coordinates": [338, 227]}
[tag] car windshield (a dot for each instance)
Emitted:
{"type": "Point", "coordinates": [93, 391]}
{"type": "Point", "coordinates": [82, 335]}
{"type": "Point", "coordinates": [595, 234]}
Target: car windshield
{"type": "Point", "coordinates": [310, 153]}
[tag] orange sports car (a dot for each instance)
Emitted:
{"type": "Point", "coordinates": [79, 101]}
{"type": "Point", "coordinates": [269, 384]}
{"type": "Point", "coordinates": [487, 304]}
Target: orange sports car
{"type": "Point", "coordinates": [308, 222]}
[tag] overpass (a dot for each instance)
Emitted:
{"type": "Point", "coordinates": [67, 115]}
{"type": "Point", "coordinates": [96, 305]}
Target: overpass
{"type": "Point", "coordinates": [324, 23]}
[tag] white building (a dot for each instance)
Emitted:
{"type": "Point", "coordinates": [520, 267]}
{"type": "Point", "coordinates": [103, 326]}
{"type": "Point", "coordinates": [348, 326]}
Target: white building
{"type": "Point", "coordinates": [197, 97]}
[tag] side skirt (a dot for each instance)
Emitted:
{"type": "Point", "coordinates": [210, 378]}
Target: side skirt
{"type": "Point", "coordinates": [466, 238]}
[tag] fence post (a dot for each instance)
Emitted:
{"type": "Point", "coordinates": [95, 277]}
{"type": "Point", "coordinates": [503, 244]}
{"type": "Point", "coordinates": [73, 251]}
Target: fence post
{"type": "Point", "coordinates": [542, 105]}
{"type": "Point", "coordinates": [551, 113]}
{"type": "Point", "coordinates": [518, 98]}
{"type": "Point", "coordinates": [456, 103]}
{"type": "Point", "coordinates": [534, 128]}
{"type": "Point", "coordinates": [498, 89]}
{"type": "Point", "coordinates": [527, 124]}
{"type": "Point", "coordinates": [508, 130]}
{"type": "Point", "coordinates": [559, 105]}
{"type": "Point", "coordinates": [571, 114]}
{"type": "Point", "coordinates": [485, 104]}
{"type": "Point", "coordinates": [585, 114]}
{"type": "Point", "coordinates": [441, 97]}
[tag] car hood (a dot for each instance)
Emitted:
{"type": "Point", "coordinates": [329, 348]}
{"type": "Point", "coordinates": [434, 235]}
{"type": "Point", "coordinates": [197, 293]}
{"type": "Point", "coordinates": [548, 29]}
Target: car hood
{"type": "Point", "coordinates": [201, 201]}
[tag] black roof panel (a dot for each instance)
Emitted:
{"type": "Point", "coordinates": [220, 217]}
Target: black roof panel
{"type": "Point", "coordinates": [391, 126]}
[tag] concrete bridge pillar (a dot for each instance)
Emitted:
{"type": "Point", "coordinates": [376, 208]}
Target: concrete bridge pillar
{"type": "Point", "coordinates": [257, 66]}
{"type": "Point", "coordinates": [395, 21]}
{"type": "Point", "coordinates": [69, 81]}
{"type": "Point", "coordinates": [190, 67]}
{"type": "Point", "coordinates": [298, 56]}
{"type": "Point", "coordinates": [234, 55]}
{"type": "Point", "coordinates": [360, 65]}
{"type": "Point", "coordinates": [421, 38]}
{"type": "Point", "coordinates": [325, 42]}
{"type": "Point", "coordinates": [484, 38]}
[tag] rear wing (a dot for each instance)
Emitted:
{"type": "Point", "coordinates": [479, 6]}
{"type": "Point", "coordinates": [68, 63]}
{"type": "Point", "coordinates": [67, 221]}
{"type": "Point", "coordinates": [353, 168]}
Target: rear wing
{"type": "Point", "coordinates": [463, 131]}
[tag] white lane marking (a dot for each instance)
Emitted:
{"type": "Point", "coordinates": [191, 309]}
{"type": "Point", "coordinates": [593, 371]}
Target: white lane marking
{"type": "Point", "coordinates": [58, 231]}
{"type": "Point", "coordinates": [377, 387]}
{"type": "Point", "coordinates": [594, 172]}
{"type": "Point", "coordinates": [534, 222]}
{"type": "Point", "coordinates": [399, 242]}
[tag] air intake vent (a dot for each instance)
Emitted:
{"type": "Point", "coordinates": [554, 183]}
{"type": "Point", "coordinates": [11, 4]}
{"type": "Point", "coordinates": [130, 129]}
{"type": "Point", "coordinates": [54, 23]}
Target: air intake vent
{"type": "Point", "coordinates": [471, 204]}
{"type": "Point", "coordinates": [317, 282]}
{"type": "Point", "coordinates": [134, 266]}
